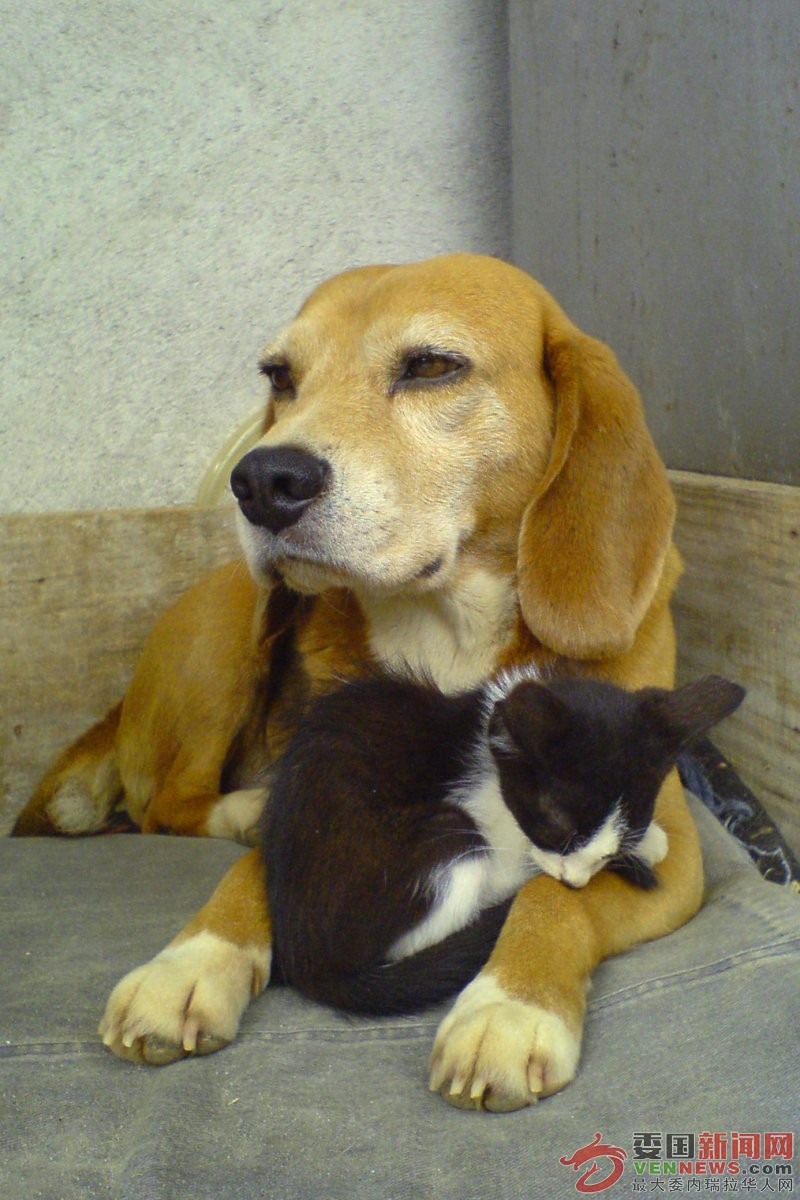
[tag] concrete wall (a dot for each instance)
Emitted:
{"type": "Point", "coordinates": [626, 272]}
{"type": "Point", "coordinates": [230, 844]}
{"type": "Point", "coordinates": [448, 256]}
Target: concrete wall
{"type": "Point", "coordinates": [656, 191]}
{"type": "Point", "coordinates": [181, 175]}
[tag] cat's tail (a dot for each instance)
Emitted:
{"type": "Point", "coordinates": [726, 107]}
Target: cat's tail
{"type": "Point", "coordinates": [421, 980]}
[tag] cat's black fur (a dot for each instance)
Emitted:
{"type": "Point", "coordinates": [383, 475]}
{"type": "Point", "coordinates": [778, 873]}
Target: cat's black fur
{"type": "Point", "coordinates": [373, 797]}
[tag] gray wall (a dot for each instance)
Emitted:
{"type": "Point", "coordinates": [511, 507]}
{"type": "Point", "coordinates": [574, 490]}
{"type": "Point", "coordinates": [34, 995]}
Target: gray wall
{"type": "Point", "coordinates": [181, 175]}
{"type": "Point", "coordinates": [656, 192]}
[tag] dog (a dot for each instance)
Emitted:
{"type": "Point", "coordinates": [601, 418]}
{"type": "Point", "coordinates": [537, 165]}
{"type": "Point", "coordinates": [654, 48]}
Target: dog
{"type": "Point", "coordinates": [455, 478]}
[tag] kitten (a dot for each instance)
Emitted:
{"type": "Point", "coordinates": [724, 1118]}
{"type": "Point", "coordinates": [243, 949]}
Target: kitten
{"type": "Point", "coordinates": [402, 821]}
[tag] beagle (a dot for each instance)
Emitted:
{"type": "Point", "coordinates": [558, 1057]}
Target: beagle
{"type": "Point", "coordinates": [451, 475]}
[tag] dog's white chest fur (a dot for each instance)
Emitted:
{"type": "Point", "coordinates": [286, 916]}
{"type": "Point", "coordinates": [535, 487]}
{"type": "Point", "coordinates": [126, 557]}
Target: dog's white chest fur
{"type": "Point", "coordinates": [454, 639]}
{"type": "Point", "coordinates": [463, 889]}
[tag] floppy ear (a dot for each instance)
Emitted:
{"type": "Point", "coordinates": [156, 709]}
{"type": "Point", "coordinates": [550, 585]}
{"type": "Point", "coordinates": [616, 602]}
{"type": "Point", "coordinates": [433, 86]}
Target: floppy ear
{"type": "Point", "coordinates": [594, 537]}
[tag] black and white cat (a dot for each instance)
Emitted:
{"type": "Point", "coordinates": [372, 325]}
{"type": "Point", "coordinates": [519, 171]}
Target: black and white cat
{"type": "Point", "coordinates": [402, 821]}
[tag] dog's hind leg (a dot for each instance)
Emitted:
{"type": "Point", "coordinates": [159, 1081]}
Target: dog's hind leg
{"type": "Point", "coordinates": [81, 789]}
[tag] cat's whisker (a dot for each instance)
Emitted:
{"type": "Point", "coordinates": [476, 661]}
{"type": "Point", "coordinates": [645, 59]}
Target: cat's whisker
{"type": "Point", "coordinates": [630, 841]}
{"type": "Point", "coordinates": [626, 854]}
{"type": "Point", "coordinates": [477, 852]}
{"type": "Point", "coordinates": [451, 833]}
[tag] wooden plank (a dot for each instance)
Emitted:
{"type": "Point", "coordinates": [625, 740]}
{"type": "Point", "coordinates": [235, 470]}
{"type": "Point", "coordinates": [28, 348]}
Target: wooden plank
{"type": "Point", "coordinates": [737, 612]}
{"type": "Point", "coordinates": [78, 593]}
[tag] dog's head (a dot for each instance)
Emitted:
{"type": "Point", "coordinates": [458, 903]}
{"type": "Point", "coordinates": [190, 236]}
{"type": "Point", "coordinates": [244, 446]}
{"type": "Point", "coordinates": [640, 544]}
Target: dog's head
{"type": "Point", "coordinates": [440, 416]}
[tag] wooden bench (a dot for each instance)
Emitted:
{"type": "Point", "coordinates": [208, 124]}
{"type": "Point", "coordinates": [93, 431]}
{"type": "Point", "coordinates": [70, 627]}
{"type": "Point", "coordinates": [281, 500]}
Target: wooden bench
{"type": "Point", "coordinates": [80, 591]}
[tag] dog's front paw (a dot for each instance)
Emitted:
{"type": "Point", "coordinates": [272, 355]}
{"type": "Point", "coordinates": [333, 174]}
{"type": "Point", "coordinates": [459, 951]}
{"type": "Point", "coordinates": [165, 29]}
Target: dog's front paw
{"type": "Point", "coordinates": [498, 1053]}
{"type": "Point", "coordinates": [189, 999]}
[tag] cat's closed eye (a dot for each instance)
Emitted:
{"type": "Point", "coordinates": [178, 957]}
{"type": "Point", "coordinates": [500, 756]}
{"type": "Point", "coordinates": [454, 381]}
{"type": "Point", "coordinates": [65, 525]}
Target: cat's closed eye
{"type": "Point", "coordinates": [556, 836]}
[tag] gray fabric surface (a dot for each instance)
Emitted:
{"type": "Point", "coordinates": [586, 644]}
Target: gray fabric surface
{"type": "Point", "coordinates": [695, 1032]}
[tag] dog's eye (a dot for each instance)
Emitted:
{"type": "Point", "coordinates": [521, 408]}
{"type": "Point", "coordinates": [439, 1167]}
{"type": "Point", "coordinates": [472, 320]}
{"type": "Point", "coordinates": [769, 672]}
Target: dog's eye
{"type": "Point", "coordinates": [280, 376]}
{"type": "Point", "coordinates": [430, 365]}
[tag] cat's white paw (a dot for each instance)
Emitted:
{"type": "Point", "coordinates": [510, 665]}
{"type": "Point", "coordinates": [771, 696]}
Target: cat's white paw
{"type": "Point", "coordinates": [653, 846]}
{"type": "Point", "coordinates": [498, 1053]}
{"type": "Point", "coordinates": [236, 816]}
{"type": "Point", "coordinates": [189, 999]}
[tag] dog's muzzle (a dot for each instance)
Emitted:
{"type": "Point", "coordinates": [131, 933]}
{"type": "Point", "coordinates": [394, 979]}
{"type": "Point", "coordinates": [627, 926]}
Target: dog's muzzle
{"type": "Point", "coordinates": [275, 486]}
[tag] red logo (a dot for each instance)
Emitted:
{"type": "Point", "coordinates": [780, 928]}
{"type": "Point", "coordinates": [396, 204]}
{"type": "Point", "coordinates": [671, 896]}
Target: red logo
{"type": "Point", "coordinates": [589, 1155]}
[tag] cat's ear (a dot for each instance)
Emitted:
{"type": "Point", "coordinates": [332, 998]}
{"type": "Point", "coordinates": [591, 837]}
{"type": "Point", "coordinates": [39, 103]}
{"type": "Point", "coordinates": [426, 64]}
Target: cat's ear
{"type": "Point", "coordinates": [532, 718]}
{"type": "Point", "coordinates": [681, 716]}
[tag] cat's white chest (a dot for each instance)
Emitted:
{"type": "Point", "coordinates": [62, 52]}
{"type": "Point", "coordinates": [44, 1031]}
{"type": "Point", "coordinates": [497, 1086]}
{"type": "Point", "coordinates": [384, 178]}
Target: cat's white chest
{"type": "Point", "coordinates": [507, 863]}
{"type": "Point", "coordinates": [462, 889]}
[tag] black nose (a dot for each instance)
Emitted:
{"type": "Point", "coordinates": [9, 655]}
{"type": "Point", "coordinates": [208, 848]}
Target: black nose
{"type": "Point", "coordinates": [274, 487]}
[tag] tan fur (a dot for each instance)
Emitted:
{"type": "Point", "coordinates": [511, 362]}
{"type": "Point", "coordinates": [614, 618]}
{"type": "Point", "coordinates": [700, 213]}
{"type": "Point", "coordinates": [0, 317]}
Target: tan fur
{"type": "Point", "coordinates": [86, 772]}
{"type": "Point", "coordinates": [518, 511]}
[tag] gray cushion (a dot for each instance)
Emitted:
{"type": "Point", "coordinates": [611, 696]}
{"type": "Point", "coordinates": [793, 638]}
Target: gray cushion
{"type": "Point", "coordinates": [692, 1033]}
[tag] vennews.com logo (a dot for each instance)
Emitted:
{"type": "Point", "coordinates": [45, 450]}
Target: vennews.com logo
{"type": "Point", "coordinates": [688, 1163]}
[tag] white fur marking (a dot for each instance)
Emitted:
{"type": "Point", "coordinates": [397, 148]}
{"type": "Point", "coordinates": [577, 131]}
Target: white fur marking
{"type": "Point", "coordinates": [509, 1051]}
{"type": "Point", "coordinates": [200, 986]}
{"type": "Point", "coordinates": [452, 637]}
{"type": "Point", "coordinates": [458, 891]}
{"type": "Point", "coordinates": [75, 810]}
{"type": "Point", "coordinates": [508, 862]}
{"type": "Point", "coordinates": [236, 814]}
{"type": "Point", "coordinates": [654, 845]}
{"type": "Point", "coordinates": [578, 867]}
{"type": "Point", "coordinates": [501, 687]}
{"type": "Point", "coordinates": [465, 888]}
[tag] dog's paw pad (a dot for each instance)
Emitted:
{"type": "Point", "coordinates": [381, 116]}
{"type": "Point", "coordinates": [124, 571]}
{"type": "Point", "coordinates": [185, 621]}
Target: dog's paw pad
{"type": "Point", "coordinates": [157, 1051]}
{"type": "Point", "coordinates": [496, 1053]}
{"type": "Point", "coordinates": [207, 1044]}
